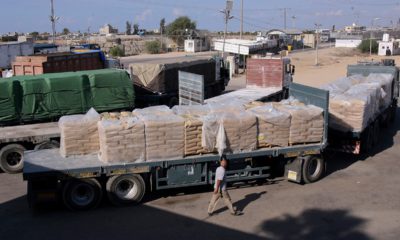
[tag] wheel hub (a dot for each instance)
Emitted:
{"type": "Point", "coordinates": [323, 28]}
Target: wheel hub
{"type": "Point", "coordinates": [13, 158]}
{"type": "Point", "coordinates": [82, 195]}
{"type": "Point", "coordinates": [126, 189]}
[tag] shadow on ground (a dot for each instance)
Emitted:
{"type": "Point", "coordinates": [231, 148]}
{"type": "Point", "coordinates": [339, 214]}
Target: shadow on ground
{"type": "Point", "coordinates": [316, 224]}
{"type": "Point", "coordinates": [136, 222]}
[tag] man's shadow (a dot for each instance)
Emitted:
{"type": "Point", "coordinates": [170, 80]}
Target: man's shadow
{"type": "Point", "coordinates": [243, 203]}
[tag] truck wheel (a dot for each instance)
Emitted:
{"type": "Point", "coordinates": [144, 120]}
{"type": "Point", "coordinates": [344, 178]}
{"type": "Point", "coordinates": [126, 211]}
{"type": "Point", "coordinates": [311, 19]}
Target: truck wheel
{"type": "Point", "coordinates": [125, 189]}
{"type": "Point", "coordinates": [173, 101]}
{"type": "Point", "coordinates": [82, 194]}
{"type": "Point", "coordinates": [47, 145]}
{"type": "Point", "coordinates": [313, 168]}
{"type": "Point", "coordinates": [367, 139]}
{"type": "Point", "coordinates": [376, 132]}
{"type": "Point", "coordinates": [393, 113]}
{"type": "Point", "coordinates": [12, 158]}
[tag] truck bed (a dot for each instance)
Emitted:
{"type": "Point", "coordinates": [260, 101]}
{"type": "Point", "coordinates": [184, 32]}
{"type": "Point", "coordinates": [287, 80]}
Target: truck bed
{"type": "Point", "coordinates": [245, 95]}
{"type": "Point", "coordinates": [31, 132]}
{"type": "Point", "coordinates": [49, 161]}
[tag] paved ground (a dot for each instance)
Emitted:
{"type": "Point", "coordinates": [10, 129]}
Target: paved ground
{"type": "Point", "coordinates": [358, 199]}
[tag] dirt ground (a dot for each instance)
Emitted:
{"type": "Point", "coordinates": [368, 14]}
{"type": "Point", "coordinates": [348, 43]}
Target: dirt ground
{"type": "Point", "coordinates": [357, 199]}
{"type": "Point", "coordinates": [332, 64]}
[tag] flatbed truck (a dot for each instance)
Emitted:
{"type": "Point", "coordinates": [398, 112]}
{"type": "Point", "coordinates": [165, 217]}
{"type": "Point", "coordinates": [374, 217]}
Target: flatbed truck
{"type": "Point", "coordinates": [363, 142]}
{"type": "Point", "coordinates": [83, 181]}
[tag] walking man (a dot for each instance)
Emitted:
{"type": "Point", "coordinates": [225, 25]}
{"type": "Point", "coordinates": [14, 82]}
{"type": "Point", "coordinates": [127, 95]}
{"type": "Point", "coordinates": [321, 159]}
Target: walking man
{"type": "Point", "coordinates": [220, 190]}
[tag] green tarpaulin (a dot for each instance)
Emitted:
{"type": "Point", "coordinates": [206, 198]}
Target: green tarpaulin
{"type": "Point", "coordinates": [107, 94]}
{"type": "Point", "coordinates": [69, 94]}
{"type": "Point", "coordinates": [10, 100]}
{"type": "Point", "coordinates": [49, 96]}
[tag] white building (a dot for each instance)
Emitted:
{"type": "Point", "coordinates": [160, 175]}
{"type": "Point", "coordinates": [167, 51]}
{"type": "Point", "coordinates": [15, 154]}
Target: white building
{"type": "Point", "coordinates": [108, 29]}
{"type": "Point", "coordinates": [196, 45]}
{"type": "Point", "coordinates": [347, 42]}
{"type": "Point", "coordinates": [387, 43]}
{"type": "Point", "coordinates": [354, 28]}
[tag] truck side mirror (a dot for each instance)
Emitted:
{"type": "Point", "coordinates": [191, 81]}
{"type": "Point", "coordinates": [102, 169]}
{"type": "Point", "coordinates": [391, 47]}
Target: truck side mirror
{"type": "Point", "coordinates": [293, 69]}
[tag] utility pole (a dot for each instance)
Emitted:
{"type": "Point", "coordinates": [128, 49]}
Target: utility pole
{"type": "Point", "coordinates": [284, 17]}
{"type": "Point", "coordinates": [53, 19]}
{"type": "Point", "coordinates": [227, 16]}
{"type": "Point", "coordinates": [370, 36]}
{"type": "Point", "coordinates": [317, 26]}
{"type": "Point", "coordinates": [241, 19]}
{"type": "Point", "coordinates": [294, 22]}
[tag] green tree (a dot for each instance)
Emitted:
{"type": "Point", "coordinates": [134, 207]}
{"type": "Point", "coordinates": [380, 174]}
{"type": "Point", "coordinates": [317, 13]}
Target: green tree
{"type": "Point", "coordinates": [153, 47]}
{"type": "Point", "coordinates": [117, 51]}
{"type": "Point", "coordinates": [128, 28]}
{"type": "Point", "coordinates": [162, 26]}
{"type": "Point", "coordinates": [364, 46]}
{"type": "Point", "coordinates": [65, 31]}
{"type": "Point", "coordinates": [34, 34]}
{"type": "Point", "coordinates": [177, 29]}
{"type": "Point", "coordinates": [135, 28]}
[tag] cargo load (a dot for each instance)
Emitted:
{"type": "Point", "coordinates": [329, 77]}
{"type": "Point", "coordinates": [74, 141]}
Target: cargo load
{"type": "Point", "coordinates": [355, 102]}
{"type": "Point", "coordinates": [57, 62]}
{"type": "Point", "coordinates": [115, 94]}
{"type": "Point", "coordinates": [164, 133]}
{"type": "Point", "coordinates": [49, 96]}
{"type": "Point", "coordinates": [230, 131]}
{"type": "Point", "coordinates": [273, 126]}
{"type": "Point", "coordinates": [193, 116]}
{"type": "Point", "coordinates": [307, 121]}
{"type": "Point", "coordinates": [122, 140]}
{"type": "Point", "coordinates": [161, 75]}
{"type": "Point", "coordinates": [79, 134]}
{"type": "Point", "coordinates": [10, 101]}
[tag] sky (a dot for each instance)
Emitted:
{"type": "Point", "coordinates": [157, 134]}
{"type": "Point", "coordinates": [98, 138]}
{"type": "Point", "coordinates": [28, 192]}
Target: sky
{"type": "Point", "coordinates": [33, 15]}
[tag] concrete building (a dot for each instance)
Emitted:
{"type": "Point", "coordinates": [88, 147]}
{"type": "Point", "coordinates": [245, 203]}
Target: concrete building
{"type": "Point", "coordinates": [348, 42]}
{"type": "Point", "coordinates": [307, 39]}
{"type": "Point", "coordinates": [387, 43]}
{"type": "Point", "coordinates": [354, 28]}
{"type": "Point", "coordinates": [196, 45]}
{"type": "Point", "coordinates": [9, 50]}
{"type": "Point", "coordinates": [197, 41]}
{"type": "Point", "coordinates": [108, 29]}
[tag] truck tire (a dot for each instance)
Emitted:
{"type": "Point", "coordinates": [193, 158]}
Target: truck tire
{"type": "Point", "coordinates": [393, 111]}
{"type": "Point", "coordinates": [376, 133]}
{"type": "Point", "coordinates": [173, 101]}
{"type": "Point", "coordinates": [125, 189]}
{"type": "Point", "coordinates": [47, 145]}
{"type": "Point", "coordinates": [367, 139]}
{"type": "Point", "coordinates": [82, 194]}
{"type": "Point", "coordinates": [313, 168]}
{"type": "Point", "coordinates": [12, 158]}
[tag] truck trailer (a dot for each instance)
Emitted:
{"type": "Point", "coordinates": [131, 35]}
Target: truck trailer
{"type": "Point", "coordinates": [79, 180]}
{"type": "Point", "coordinates": [363, 141]}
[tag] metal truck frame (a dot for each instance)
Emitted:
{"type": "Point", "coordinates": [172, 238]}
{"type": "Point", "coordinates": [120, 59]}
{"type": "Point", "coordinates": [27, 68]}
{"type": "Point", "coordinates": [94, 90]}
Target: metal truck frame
{"type": "Point", "coordinates": [82, 181]}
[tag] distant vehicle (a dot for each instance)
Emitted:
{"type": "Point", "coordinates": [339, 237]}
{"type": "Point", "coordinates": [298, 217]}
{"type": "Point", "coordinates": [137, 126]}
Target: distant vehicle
{"type": "Point", "coordinates": [156, 80]}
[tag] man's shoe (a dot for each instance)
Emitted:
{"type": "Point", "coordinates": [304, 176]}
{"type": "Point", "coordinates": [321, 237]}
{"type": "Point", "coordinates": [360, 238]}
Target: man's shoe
{"type": "Point", "coordinates": [210, 214]}
{"type": "Point", "coordinates": [237, 213]}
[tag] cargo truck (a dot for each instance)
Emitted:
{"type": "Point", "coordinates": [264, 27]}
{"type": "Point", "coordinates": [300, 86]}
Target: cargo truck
{"type": "Point", "coordinates": [156, 80]}
{"type": "Point", "coordinates": [79, 180]}
{"type": "Point", "coordinates": [364, 141]}
{"type": "Point", "coordinates": [31, 105]}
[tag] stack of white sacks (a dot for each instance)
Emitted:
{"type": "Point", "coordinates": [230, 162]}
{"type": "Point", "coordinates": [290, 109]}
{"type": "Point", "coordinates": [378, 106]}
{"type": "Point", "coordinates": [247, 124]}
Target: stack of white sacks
{"type": "Point", "coordinates": [79, 134]}
{"type": "Point", "coordinates": [356, 100]}
{"type": "Point", "coordinates": [164, 133]}
{"type": "Point", "coordinates": [122, 140]}
{"type": "Point", "coordinates": [159, 133]}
